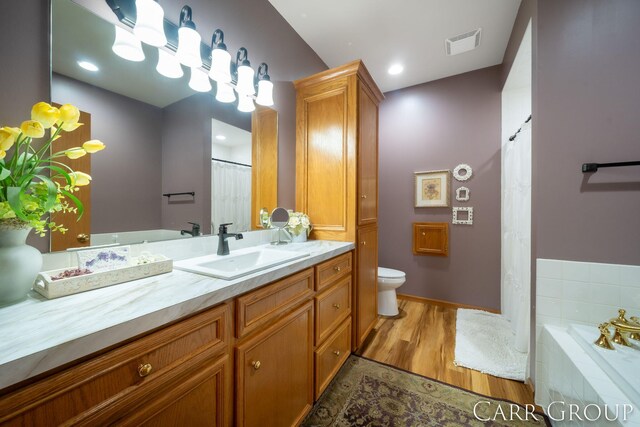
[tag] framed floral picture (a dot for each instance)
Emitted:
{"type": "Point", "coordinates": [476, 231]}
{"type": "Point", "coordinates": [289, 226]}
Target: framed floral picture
{"type": "Point", "coordinates": [432, 189]}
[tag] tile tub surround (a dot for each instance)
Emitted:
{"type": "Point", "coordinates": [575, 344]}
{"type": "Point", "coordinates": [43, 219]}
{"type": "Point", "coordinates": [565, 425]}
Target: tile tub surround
{"type": "Point", "coordinates": [584, 293]}
{"type": "Point", "coordinates": [39, 335]}
{"type": "Point", "coordinates": [566, 373]}
{"type": "Point", "coordinates": [570, 292]}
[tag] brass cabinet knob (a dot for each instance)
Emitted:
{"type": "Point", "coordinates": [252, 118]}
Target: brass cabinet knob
{"type": "Point", "coordinates": [336, 306]}
{"type": "Point", "coordinates": [424, 234]}
{"type": "Point", "coordinates": [144, 369]}
{"type": "Point", "coordinates": [337, 268]}
{"type": "Point", "coordinates": [82, 238]}
{"type": "Point", "coordinates": [336, 352]}
{"type": "Point", "coordinates": [364, 196]}
{"type": "Point", "coordinates": [364, 243]}
{"type": "Point", "coordinates": [256, 364]}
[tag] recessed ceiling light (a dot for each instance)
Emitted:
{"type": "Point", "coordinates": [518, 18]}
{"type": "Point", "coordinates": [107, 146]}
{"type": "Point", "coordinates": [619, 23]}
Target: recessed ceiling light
{"type": "Point", "coordinates": [395, 69]}
{"type": "Point", "coordinates": [221, 137]}
{"type": "Point", "coordinates": [89, 66]}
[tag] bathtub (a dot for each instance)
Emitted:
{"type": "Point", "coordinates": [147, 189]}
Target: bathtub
{"type": "Point", "coordinates": [573, 375]}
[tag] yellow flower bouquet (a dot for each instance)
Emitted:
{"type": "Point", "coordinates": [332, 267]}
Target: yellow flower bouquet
{"type": "Point", "coordinates": [33, 182]}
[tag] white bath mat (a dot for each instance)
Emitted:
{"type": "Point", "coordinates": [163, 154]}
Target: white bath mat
{"type": "Point", "coordinates": [484, 342]}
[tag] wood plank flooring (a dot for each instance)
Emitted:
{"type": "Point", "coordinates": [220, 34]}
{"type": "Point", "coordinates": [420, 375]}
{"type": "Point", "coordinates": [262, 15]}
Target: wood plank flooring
{"type": "Point", "coordinates": [423, 342]}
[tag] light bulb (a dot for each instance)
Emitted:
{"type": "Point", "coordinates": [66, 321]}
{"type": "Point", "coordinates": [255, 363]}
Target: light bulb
{"type": "Point", "coordinates": [245, 80]}
{"type": "Point", "coordinates": [265, 93]}
{"type": "Point", "coordinates": [149, 26]}
{"type": "Point", "coordinates": [220, 66]}
{"type": "Point", "coordinates": [245, 104]}
{"type": "Point", "coordinates": [225, 93]}
{"type": "Point", "coordinates": [189, 47]}
{"type": "Point", "coordinates": [199, 80]}
{"type": "Point", "coordinates": [168, 65]}
{"type": "Point", "coordinates": [127, 46]}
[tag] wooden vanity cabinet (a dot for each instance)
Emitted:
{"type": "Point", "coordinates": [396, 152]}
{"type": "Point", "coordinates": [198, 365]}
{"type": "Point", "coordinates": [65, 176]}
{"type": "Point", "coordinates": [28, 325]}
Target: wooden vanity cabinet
{"type": "Point", "coordinates": [145, 382]}
{"type": "Point", "coordinates": [337, 171]}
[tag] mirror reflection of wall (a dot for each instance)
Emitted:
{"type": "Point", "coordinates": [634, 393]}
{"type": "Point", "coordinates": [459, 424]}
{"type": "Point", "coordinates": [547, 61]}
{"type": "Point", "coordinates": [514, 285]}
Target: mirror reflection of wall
{"type": "Point", "coordinates": [230, 177]}
{"type": "Point", "coordinates": [160, 134]}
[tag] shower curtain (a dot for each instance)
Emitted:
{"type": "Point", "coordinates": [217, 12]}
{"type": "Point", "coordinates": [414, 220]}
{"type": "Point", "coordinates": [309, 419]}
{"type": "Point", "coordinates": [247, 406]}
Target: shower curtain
{"type": "Point", "coordinates": [230, 196]}
{"type": "Point", "coordinates": [516, 235]}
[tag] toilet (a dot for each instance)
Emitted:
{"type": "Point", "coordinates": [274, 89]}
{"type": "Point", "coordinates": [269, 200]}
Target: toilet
{"type": "Point", "coordinates": [388, 281]}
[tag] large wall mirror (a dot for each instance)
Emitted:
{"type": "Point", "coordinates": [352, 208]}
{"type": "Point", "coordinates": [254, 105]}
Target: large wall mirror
{"type": "Point", "coordinates": [174, 158]}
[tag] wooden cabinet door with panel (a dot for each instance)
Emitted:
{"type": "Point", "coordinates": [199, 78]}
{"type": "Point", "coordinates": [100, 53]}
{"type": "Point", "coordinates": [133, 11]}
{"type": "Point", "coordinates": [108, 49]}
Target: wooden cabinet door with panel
{"type": "Point", "coordinates": [366, 295]}
{"type": "Point", "coordinates": [367, 156]}
{"type": "Point", "coordinates": [274, 372]}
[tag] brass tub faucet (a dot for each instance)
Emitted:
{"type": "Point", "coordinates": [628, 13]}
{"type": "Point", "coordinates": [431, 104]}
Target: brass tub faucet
{"type": "Point", "coordinates": [622, 326]}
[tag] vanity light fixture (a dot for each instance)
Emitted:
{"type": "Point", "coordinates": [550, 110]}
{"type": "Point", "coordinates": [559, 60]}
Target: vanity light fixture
{"type": "Point", "coordinates": [224, 93]}
{"type": "Point", "coordinates": [168, 65]}
{"type": "Point", "coordinates": [189, 39]}
{"type": "Point", "coordinates": [265, 86]}
{"type": "Point", "coordinates": [245, 103]}
{"type": "Point", "coordinates": [149, 26]}
{"type": "Point", "coordinates": [199, 80]}
{"type": "Point", "coordinates": [127, 45]}
{"type": "Point", "coordinates": [245, 74]}
{"type": "Point", "coordinates": [146, 18]}
{"type": "Point", "coordinates": [220, 59]}
{"type": "Point", "coordinates": [89, 66]}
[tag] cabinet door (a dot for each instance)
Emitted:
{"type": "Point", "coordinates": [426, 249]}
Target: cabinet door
{"type": "Point", "coordinates": [199, 398]}
{"type": "Point", "coordinates": [367, 157]}
{"type": "Point", "coordinates": [325, 157]}
{"type": "Point", "coordinates": [366, 295]}
{"type": "Point", "coordinates": [274, 373]}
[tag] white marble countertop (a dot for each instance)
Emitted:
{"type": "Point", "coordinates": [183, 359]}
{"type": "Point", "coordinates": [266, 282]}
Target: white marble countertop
{"type": "Point", "coordinates": [38, 335]}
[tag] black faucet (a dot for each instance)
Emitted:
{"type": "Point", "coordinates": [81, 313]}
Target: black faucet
{"type": "Point", "coordinates": [195, 230]}
{"type": "Point", "coordinates": [223, 245]}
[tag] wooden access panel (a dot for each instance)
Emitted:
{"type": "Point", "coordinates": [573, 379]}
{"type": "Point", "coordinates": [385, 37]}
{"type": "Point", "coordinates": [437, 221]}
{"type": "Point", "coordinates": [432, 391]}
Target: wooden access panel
{"type": "Point", "coordinates": [78, 230]}
{"type": "Point", "coordinates": [431, 238]}
{"type": "Point", "coordinates": [264, 162]}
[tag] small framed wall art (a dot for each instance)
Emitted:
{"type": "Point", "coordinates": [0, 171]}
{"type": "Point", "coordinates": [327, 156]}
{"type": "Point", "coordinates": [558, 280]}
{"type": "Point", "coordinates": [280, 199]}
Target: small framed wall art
{"type": "Point", "coordinates": [462, 216]}
{"type": "Point", "coordinates": [432, 189]}
{"type": "Point", "coordinates": [462, 172]}
{"type": "Point", "coordinates": [462, 194]}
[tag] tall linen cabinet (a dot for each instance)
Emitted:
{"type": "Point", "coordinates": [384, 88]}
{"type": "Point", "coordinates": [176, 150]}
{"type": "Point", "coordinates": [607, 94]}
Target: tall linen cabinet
{"type": "Point", "coordinates": [337, 172]}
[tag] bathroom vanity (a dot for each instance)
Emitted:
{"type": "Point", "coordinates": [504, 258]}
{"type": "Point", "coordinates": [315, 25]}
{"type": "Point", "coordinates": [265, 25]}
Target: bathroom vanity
{"type": "Point", "coordinates": [182, 348]}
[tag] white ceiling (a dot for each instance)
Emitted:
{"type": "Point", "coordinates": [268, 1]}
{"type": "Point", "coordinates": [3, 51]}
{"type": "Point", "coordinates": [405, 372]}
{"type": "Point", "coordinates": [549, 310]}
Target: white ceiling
{"type": "Point", "coordinates": [410, 32]}
{"type": "Point", "coordinates": [235, 137]}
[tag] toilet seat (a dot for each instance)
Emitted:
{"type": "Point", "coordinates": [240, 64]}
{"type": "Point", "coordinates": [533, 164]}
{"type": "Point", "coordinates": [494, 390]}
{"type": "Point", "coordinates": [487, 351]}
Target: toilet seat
{"type": "Point", "coordinates": [390, 273]}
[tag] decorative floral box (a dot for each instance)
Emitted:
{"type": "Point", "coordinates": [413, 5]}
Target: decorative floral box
{"type": "Point", "coordinates": [50, 288]}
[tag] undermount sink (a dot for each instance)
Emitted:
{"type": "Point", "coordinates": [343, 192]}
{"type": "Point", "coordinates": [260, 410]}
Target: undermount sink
{"type": "Point", "coordinates": [239, 263]}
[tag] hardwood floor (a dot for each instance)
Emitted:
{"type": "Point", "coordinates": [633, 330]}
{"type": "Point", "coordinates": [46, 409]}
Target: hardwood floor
{"type": "Point", "coordinates": [423, 341]}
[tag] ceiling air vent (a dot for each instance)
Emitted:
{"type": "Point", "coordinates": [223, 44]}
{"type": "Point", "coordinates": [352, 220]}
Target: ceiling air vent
{"type": "Point", "coordinates": [463, 42]}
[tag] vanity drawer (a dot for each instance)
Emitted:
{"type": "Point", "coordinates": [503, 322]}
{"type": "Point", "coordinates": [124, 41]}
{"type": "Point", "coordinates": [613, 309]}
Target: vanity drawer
{"type": "Point", "coordinates": [330, 271]}
{"type": "Point", "coordinates": [262, 306]}
{"type": "Point", "coordinates": [120, 375]}
{"type": "Point", "coordinates": [332, 307]}
{"type": "Point", "coordinates": [331, 355]}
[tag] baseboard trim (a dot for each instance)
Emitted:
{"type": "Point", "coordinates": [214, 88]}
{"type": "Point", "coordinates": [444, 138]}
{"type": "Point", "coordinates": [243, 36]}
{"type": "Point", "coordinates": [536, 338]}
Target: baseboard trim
{"type": "Point", "coordinates": [447, 304]}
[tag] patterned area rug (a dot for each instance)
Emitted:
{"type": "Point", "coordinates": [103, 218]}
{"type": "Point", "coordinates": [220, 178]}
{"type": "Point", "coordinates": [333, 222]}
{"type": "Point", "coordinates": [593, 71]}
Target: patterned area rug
{"type": "Point", "coordinates": [368, 393]}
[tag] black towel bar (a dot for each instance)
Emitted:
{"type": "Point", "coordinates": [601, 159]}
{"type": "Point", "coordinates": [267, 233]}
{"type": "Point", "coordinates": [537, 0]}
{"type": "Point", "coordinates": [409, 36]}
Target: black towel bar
{"type": "Point", "coordinates": [187, 193]}
{"type": "Point", "coordinates": [593, 167]}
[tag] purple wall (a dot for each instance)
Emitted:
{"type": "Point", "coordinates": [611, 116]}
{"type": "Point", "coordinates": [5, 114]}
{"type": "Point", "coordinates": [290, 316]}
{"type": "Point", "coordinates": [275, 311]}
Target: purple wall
{"type": "Point", "coordinates": [26, 81]}
{"type": "Point", "coordinates": [587, 104]}
{"type": "Point", "coordinates": [126, 188]}
{"type": "Point", "coordinates": [438, 125]}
